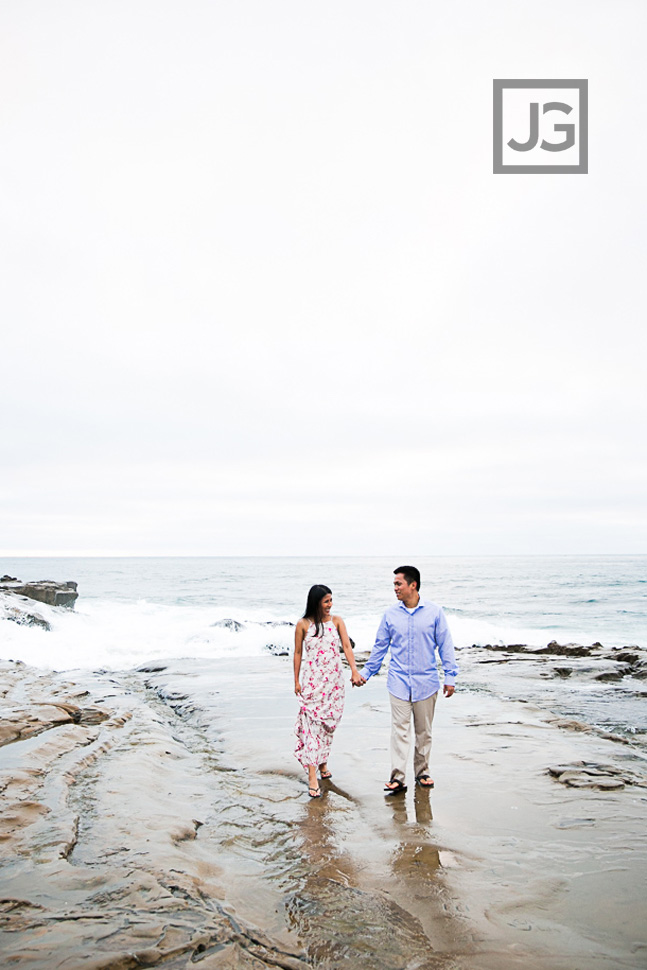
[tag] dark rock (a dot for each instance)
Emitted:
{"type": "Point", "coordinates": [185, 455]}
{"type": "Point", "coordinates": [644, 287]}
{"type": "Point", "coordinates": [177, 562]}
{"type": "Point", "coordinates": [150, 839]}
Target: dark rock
{"type": "Point", "coordinates": [567, 649]}
{"type": "Point", "coordinates": [613, 675]}
{"type": "Point", "coordinates": [505, 648]}
{"type": "Point", "coordinates": [171, 696]}
{"type": "Point", "coordinates": [552, 649]}
{"type": "Point", "coordinates": [229, 625]}
{"type": "Point", "coordinates": [27, 619]}
{"type": "Point", "coordinates": [45, 591]}
{"type": "Point", "coordinates": [563, 671]}
{"type": "Point", "coordinates": [277, 649]}
{"type": "Point", "coordinates": [21, 614]}
{"type": "Point", "coordinates": [352, 644]}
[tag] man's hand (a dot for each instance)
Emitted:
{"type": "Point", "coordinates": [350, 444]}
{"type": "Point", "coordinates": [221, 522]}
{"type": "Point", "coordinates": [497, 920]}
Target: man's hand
{"type": "Point", "coordinates": [357, 680]}
{"type": "Point", "coordinates": [448, 690]}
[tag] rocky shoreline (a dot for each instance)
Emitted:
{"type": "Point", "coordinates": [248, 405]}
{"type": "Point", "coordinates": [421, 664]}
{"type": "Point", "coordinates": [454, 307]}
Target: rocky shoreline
{"type": "Point", "coordinates": [156, 817]}
{"type": "Point", "coordinates": [17, 598]}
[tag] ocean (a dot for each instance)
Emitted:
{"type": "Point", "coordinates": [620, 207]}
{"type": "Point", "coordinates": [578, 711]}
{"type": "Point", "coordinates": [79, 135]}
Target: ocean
{"type": "Point", "coordinates": [133, 610]}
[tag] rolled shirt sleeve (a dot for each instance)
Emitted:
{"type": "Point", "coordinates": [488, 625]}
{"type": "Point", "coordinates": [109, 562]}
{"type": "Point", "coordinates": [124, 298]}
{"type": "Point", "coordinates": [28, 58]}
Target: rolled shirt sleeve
{"type": "Point", "coordinates": [378, 653]}
{"type": "Point", "coordinates": [445, 647]}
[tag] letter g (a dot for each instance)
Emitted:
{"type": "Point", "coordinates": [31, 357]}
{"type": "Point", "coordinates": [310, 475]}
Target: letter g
{"type": "Point", "coordinates": [569, 141]}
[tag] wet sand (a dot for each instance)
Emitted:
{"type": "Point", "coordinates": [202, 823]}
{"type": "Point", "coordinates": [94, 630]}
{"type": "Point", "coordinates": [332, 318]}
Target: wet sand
{"type": "Point", "coordinates": [158, 818]}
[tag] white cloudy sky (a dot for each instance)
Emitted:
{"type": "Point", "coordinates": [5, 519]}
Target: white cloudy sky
{"type": "Point", "coordinates": [262, 294]}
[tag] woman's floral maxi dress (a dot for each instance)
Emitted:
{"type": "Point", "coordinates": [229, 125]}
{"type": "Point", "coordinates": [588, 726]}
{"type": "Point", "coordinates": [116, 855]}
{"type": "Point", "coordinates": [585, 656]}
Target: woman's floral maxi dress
{"type": "Point", "coordinates": [322, 695]}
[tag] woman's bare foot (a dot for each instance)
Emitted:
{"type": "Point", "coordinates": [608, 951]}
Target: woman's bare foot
{"type": "Point", "coordinates": [323, 771]}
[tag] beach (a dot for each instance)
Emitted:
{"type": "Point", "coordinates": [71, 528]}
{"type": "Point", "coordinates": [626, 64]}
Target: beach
{"type": "Point", "coordinates": [157, 817]}
{"type": "Point", "coordinates": [275, 318]}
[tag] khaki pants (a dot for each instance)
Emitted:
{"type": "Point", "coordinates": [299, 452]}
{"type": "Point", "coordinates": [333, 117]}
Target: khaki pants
{"type": "Point", "coordinates": [423, 715]}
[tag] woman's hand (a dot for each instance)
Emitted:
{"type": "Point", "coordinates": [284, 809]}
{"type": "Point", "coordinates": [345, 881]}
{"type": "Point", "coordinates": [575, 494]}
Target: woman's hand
{"type": "Point", "coordinates": [297, 687]}
{"type": "Point", "coordinates": [356, 679]}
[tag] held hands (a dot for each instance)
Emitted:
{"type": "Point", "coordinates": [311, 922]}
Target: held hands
{"type": "Point", "coordinates": [448, 690]}
{"type": "Point", "coordinates": [356, 679]}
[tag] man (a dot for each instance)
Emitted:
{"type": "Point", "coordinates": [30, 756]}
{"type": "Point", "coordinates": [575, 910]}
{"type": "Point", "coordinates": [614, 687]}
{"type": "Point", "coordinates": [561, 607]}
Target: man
{"type": "Point", "coordinates": [414, 629]}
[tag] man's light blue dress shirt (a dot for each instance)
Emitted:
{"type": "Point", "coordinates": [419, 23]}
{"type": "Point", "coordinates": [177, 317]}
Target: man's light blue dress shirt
{"type": "Point", "coordinates": [414, 639]}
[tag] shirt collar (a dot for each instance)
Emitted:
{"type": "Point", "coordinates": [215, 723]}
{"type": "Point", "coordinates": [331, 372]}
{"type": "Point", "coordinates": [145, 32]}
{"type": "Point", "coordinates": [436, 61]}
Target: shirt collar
{"type": "Point", "coordinates": [418, 605]}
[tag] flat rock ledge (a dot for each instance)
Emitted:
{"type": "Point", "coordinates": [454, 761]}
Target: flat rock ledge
{"type": "Point", "coordinates": [601, 777]}
{"type": "Point", "coordinates": [45, 591]}
{"type": "Point", "coordinates": [17, 599]}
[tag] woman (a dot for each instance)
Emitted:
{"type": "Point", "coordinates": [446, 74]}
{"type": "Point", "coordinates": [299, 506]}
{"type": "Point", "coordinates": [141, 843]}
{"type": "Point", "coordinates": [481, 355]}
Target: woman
{"type": "Point", "coordinates": [321, 687]}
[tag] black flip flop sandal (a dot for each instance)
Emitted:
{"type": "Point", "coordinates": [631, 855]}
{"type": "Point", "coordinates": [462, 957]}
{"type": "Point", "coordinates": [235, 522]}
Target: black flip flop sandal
{"type": "Point", "coordinates": [424, 777]}
{"type": "Point", "coordinates": [398, 788]}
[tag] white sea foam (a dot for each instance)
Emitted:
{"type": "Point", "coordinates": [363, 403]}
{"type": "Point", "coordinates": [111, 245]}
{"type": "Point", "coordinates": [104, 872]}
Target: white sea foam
{"type": "Point", "coordinates": [118, 635]}
{"type": "Point", "coordinates": [467, 631]}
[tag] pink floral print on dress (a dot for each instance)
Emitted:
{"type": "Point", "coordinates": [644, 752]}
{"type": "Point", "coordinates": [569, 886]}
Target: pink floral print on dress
{"type": "Point", "coordinates": [322, 695]}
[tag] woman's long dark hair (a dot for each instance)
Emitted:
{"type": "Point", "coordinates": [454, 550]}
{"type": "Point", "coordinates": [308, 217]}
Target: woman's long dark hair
{"type": "Point", "coordinates": [314, 611]}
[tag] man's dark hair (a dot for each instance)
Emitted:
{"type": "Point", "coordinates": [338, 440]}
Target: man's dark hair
{"type": "Point", "coordinates": [410, 573]}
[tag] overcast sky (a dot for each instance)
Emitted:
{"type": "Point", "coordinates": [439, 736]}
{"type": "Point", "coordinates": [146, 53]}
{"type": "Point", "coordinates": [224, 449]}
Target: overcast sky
{"type": "Point", "coordinates": [262, 294]}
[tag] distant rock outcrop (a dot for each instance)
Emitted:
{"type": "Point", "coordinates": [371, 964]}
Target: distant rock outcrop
{"type": "Point", "coordinates": [45, 591]}
{"type": "Point", "coordinates": [228, 624]}
{"type": "Point", "coordinates": [593, 661]}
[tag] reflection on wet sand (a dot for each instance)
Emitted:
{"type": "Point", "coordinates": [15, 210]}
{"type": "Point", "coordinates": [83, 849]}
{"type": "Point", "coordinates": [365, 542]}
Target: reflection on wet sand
{"type": "Point", "coordinates": [416, 857]}
{"type": "Point", "coordinates": [340, 923]}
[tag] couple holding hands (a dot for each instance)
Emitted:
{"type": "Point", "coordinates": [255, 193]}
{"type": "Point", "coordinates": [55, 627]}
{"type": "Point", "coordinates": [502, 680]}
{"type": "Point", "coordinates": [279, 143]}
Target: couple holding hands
{"type": "Point", "coordinates": [414, 630]}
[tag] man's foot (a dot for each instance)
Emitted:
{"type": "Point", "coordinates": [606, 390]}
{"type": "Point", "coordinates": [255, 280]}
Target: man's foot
{"type": "Point", "coordinates": [395, 787]}
{"type": "Point", "coordinates": [424, 780]}
{"type": "Point", "coordinates": [314, 792]}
